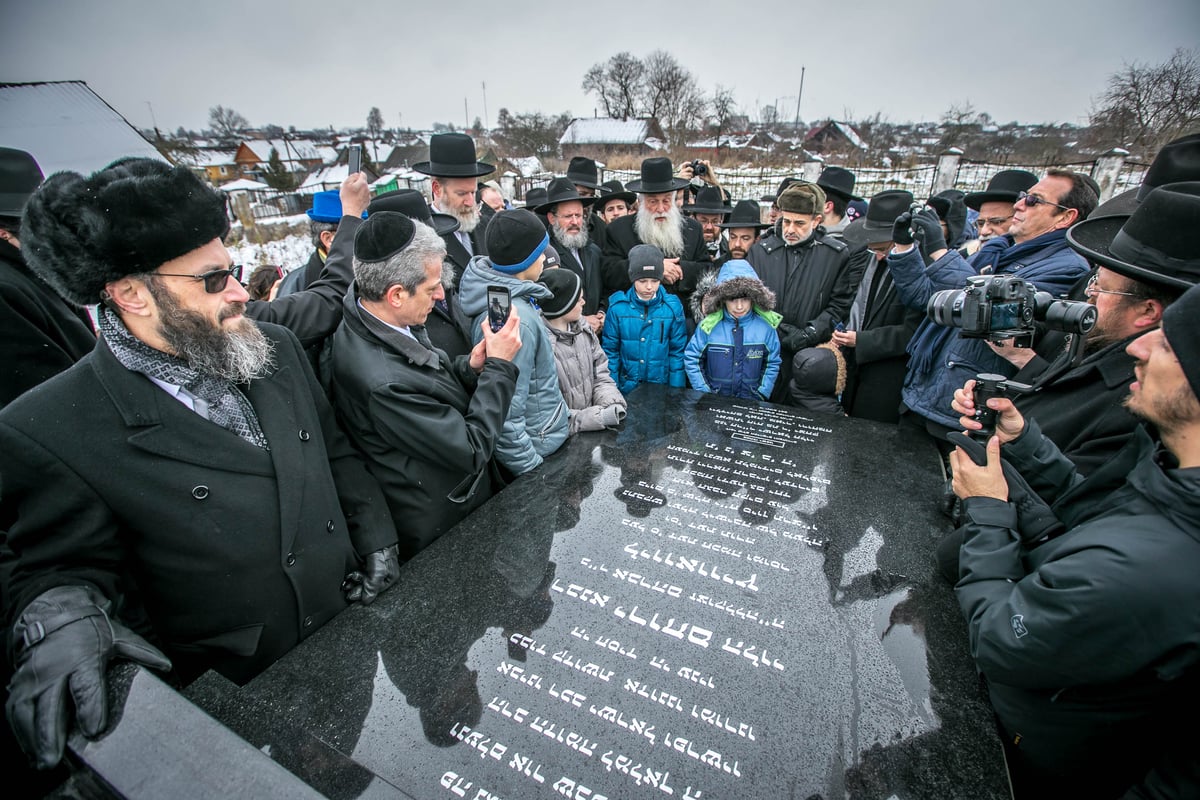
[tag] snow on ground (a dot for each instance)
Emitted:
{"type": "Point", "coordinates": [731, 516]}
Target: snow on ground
{"type": "Point", "coordinates": [290, 245]}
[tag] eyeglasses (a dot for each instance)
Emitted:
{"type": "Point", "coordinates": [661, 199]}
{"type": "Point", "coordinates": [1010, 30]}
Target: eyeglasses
{"type": "Point", "coordinates": [214, 281]}
{"type": "Point", "coordinates": [995, 222]}
{"type": "Point", "coordinates": [1093, 289]}
{"type": "Point", "coordinates": [1032, 200]}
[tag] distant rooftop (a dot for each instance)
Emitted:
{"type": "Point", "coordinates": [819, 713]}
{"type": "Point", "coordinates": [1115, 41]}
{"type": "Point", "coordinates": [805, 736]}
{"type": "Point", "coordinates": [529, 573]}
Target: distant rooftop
{"type": "Point", "coordinates": [606, 130]}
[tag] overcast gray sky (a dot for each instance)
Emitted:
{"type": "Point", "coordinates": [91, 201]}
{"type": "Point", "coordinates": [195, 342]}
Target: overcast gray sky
{"type": "Point", "coordinates": [315, 64]}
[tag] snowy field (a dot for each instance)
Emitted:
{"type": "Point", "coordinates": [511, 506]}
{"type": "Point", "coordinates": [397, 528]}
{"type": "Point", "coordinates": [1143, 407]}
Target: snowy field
{"type": "Point", "coordinates": [289, 245]}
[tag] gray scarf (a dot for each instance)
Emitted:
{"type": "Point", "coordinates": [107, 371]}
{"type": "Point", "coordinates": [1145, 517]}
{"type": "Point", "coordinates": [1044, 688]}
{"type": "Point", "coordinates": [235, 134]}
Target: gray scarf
{"type": "Point", "coordinates": [226, 405]}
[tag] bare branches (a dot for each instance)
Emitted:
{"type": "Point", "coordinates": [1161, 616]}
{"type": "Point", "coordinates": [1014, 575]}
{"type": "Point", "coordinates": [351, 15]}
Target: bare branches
{"type": "Point", "coordinates": [1145, 106]}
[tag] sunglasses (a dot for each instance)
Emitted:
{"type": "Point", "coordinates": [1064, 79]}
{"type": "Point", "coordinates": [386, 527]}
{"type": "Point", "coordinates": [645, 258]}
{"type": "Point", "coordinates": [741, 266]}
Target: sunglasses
{"type": "Point", "coordinates": [214, 281]}
{"type": "Point", "coordinates": [1032, 200]}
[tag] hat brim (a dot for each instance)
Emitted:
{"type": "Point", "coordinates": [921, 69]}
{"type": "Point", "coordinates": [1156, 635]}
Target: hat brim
{"type": "Point", "coordinates": [453, 170]}
{"type": "Point", "coordinates": [875, 233]}
{"type": "Point", "coordinates": [645, 187]}
{"type": "Point", "coordinates": [580, 182]}
{"type": "Point", "coordinates": [839, 193]}
{"type": "Point", "coordinates": [757, 225]}
{"type": "Point", "coordinates": [1124, 203]}
{"type": "Point", "coordinates": [443, 223]}
{"type": "Point", "coordinates": [975, 199]}
{"type": "Point", "coordinates": [1093, 239]}
{"type": "Point", "coordinates": [724, 211]}
{"type": "Point", "coordinates": [628, 197]}
{"type": "Point", "coordinates": [322, 218]}
{"type": "Point", "coordinates": [545, 208]}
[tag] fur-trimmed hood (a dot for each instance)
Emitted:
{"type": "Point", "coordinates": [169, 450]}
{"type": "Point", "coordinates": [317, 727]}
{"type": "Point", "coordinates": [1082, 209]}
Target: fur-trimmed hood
{"type": "Point", "coordinates": [79, 234]}
{"type": "Point", "coordinates": [736, 278]}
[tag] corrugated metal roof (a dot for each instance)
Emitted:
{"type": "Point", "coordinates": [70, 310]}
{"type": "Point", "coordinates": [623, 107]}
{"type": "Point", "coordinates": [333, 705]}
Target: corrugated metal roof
{"type": "Point", "coordinates": [605, 130]}
{"type": "Point", "coordinates": [67, 126]}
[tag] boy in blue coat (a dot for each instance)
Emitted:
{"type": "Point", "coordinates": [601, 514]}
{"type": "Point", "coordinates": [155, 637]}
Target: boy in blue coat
{"type": "Point", "coordinates": [645, 332]}
{"type": "Point", "coordinates": [735, 349]}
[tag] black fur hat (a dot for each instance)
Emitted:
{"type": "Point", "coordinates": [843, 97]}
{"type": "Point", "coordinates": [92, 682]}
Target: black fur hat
{"type": "Point", "coordinates": [133, 216]}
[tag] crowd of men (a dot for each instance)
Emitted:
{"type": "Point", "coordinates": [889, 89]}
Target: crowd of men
{"type": "Point", "coordinates": [195, 480]}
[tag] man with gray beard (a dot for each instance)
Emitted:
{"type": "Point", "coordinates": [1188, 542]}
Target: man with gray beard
{"type": "Point", "coordinates": [455, 174]}
{"type": "Point", "coordinates": [182, 496]}
{"type": "Point", "coordinates": [658, 222]}
{"type": "Point", "coordinates": [565, 212]}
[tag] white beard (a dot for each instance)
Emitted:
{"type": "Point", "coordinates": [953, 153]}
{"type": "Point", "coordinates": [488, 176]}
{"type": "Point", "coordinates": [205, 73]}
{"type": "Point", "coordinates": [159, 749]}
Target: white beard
{"type": "Point", "coordinates": [576, 241]}
{"type": "Point", "coordinates": [666, 236]}
{"type": "Point", "coordinates": [468, 218]}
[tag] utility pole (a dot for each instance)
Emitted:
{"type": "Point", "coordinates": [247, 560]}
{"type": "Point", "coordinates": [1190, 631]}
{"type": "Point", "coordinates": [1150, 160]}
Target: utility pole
{"type": "Point", "coordinates": [152, 119]}
{"type": "Point", "coordinates": [485, 114]}
{"type": "Point", "coordinates": [466, 119]}
{"type": "Point", "coordinates": [798, 96]}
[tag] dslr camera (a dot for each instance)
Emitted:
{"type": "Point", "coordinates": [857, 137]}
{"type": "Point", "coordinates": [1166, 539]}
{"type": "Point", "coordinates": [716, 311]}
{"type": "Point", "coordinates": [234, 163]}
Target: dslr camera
{"type": "Point", "coordinates": [998, 307]}
{"type": "Point", "coordinates": [698, 169]}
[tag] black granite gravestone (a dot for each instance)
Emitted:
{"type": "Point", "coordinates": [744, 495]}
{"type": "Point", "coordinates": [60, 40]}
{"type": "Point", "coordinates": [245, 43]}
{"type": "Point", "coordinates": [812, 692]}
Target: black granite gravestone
{"type": "Point", "coordinates": [722, 600]}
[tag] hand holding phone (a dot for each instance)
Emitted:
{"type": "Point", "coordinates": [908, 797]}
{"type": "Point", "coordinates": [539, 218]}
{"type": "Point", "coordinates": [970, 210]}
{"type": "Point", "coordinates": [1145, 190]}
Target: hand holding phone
{"type": "Point", "coordinates": [354, 158]}
{"type": "Point", "coordinates": [498, 305]}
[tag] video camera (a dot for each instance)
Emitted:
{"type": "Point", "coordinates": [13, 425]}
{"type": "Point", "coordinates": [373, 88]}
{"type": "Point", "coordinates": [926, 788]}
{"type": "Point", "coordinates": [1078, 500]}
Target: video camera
{"type": "Point", "coordinates": [999, 307]}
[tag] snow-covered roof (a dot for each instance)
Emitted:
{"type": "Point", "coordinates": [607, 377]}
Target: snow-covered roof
{"type": "Point", "coordinates": [67, 126]}
{"type": "Point", "coordinates": [605, 130]}
{"type": "Point", "coordinates": [289, 149]}
{"type": "Point", "coordinates": [527, 166]}
{"type": "Point", "coordinates": [244, 185]}
{"type": "Point", "coordinates": [212, 158]}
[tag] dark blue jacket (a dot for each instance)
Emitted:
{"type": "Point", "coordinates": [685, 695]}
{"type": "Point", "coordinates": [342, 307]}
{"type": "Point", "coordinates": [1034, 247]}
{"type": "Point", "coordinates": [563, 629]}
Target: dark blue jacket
{"type": "Point", "coordinates": [644, 340]}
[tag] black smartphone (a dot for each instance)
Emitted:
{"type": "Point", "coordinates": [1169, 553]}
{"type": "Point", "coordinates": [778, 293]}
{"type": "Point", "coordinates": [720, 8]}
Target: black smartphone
{"type": "Point", "coordinates": [355, 158]}
{"type": "Point", "coordinates": [498, 304]}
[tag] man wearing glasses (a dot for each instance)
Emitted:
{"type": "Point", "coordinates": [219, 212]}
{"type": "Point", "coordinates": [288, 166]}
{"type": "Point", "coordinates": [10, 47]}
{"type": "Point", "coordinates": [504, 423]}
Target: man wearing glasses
{"type": "Point", "coordinates": [1034, 249]}
{"type": "Point", "coordinates": [184, 482]}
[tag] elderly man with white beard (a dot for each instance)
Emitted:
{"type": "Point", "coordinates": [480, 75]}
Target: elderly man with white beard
{"type": "Point", "coordinates": [658, 222]}
{"type": "Point", "coordinates": [565, 213]}
{"type": "Point", "coordinates": [455, 174]}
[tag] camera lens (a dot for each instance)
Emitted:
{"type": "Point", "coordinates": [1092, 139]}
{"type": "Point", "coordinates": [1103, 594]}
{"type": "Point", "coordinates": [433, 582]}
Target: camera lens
{"type": "Point", "coordinates": [945, 308]}
{"type": "Point", "coordinates": [1067, 315]}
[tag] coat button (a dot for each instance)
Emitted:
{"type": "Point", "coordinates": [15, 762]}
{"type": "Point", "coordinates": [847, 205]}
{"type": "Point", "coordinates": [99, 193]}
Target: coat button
{"type": "Point", "coordinates": [308, 622]}
{"type": "Point", "coordinates": [200, 492]}
{"type": "Point", "coordinates": [304, 436]}
{"type": "Point", "coordinates": [291, 559]}
{"type": "Point", "coordinates": [329, 526]}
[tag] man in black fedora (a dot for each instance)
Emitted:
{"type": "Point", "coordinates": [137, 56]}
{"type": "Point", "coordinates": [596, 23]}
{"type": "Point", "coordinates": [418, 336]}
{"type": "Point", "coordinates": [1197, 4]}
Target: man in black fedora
{"type": "Point", "coordinates": [614, 201]}
{"type": "Point", "coordinates": [585, 175]}
{"type": "Point", "coordinates": [742, 228]}
{"type": "Point", "coordinates": [658, 222]}
{"type": "Point", "coordinates": [1178, 160]}
{"type": "Point", "coordinates": [838, 183]}
{"type": "Point", "coordinates": [447, 326]}
{"type": "Point", "coordinates": [710, 210]}
{"type": "Point", "coordinates": [40, 333]}
{"type": "Point", "coordinates": [455, 171]}
{"type": "Point", "coordinates": [995, 203]}
{"type": "Point", "coordinates": [875, 337]}
{"type": "Point", "coordinates": [566, 211]}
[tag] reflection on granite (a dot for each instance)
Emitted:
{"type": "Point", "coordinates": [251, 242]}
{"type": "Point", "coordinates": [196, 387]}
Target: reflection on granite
{"type": "Point", "coordinates": [720, 600]}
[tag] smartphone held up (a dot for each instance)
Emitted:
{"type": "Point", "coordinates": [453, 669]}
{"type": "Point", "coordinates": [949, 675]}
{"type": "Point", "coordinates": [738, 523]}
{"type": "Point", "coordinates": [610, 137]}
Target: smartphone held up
{"type": "Point", "coordinates": [499, 304]}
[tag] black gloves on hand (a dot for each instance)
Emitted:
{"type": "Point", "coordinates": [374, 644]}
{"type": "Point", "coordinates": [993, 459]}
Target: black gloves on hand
{"type": "Point", "coordinates": [62, 643]}
{"type": "Point", "coordinates": [928, 229]}
{"type": "Point", "coordinates": [379, 572]}
{"type": "Point", "coordinates": [793, 338]}
{"type": "Point", "coordinates": [902, 229]}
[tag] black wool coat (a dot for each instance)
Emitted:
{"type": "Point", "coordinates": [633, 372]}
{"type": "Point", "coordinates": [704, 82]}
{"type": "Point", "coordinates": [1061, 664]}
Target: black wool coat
{"type": "Point", "coordinates": [621, 237]}
{"type": "Point", "coordinates": [224, 554]}
{"type": "Point", "coordinates": [40, 333]}
{"type": "Point", "coordinates": [588, 268]}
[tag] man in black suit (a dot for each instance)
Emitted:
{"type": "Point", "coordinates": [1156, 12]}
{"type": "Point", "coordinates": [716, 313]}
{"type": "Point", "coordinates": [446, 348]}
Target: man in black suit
{"type": "Point", "coordinates": [566, 212]}
{"type": "Point", "coordinates": [455, 174]}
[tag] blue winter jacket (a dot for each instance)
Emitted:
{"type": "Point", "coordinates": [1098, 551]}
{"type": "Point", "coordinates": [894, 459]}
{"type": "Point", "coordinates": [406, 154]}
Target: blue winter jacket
{"type": "Point", "coordinates": [738, 358]}
{"type": "Point", "coordinates": [644, 340]}
{"type": "Point", "coordinates": [537, 420]}
{"type": "Point", "coordinates": [941, 362]}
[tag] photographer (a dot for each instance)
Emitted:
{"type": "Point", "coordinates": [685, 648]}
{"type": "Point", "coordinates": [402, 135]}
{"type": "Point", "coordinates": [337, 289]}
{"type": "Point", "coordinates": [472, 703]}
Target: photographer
{"type": "Point", "coordinates": [1035, 250]}
{"type": "Point", "coordinates": [1088, 638]}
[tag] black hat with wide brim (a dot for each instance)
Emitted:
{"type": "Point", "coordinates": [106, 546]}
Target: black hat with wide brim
{"type": "Point", "coordinates": [20, 176]}
{"type": "Point", "coordinates": [839, 181]}
{"type": "Point", "coordinates": [1004, 187]}
{"type": "Point", "coordinates": [452, 155]}
{"type": "Point", "coordinates": [1177, 161]}
{"type": "Point", "coordinates": [745, 214]}
{"type": "Point", "coordinates": [411, 203]}
{"type": "Point", "coordinates": [657, 178]}
{"type": "Point", "coordinates": [582, 171]}
{"type": "Point", "coordinates": [613, 190]}
{"type": "Point", "coordinates": [1158, 244]}
{"type": "Point", "coordinates": [882, 211]}
{"type": "Point", "coordinates": [709, 200]}
{"type": "Point", "coordinates": [561, 190]}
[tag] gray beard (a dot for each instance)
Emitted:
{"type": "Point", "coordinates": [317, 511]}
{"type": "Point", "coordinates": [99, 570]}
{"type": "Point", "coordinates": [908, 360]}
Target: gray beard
{"type": "Point", "coordinates": [576, 241]}
{"type": "Point", "coordinates": [468, 218]}
{"type": "Point", "coordinates": [238, 355]}
{"type": "Point", "coordinates": [667, 236]}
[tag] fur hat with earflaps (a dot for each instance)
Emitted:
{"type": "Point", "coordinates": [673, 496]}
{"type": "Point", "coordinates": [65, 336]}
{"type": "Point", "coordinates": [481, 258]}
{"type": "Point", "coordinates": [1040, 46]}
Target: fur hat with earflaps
{"type": "Point", "coordinates": [79, 234]}
{"type": "Point", "coordinates": [735, 279]}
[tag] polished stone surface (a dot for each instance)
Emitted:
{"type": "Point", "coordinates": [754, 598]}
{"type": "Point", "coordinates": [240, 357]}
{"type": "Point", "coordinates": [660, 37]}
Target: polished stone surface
{"type": "Point", "coordinates": [720, 600]}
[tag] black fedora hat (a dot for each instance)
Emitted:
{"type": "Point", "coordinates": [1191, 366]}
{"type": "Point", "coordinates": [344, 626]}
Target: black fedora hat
{"type": "Point", "coordinates": [1158, 244]}
{"type": "Point", "coordinates": [411, 203]}
{"type": "Point", "coordinates": [783, 184]}
{"type": "Point", "coordinates": [709, 200]}
{"type": "Point", "coordinates": [582, 171]}
{"type": "Point", "coordinates": [839, 181]}
{"type": "Point", "coordinates": [1003, 187]}
{"type": "Point", "coordinates": [20, 175]}
{"type": "Point", "coordinates": [535, 197]}
{"type": "Point", "coordinates": [452, 155]}
{"type": "Point", "coordinates": [1177, 161]}
{"type": "Point", "coordinates": [657, 177]}
{"type": "Point", "coordinates": [561, 190]}
{"type": "Point", "coordinates": [613, 190]}
{"type": "Point", "coordinates": [745, 214]}
{"type": "Point", "coordinates": [881, 214]}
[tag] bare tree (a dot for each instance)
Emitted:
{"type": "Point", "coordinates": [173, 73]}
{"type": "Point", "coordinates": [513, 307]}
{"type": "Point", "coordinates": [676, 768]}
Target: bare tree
{"type": "Point", "coordinates": [374, 122]}
{"type": "Point", "coordinates": [532, 133]}
{"type": "Point", "coordinates": [227, 124]}
{"type": "Point", "coordinates": [671, 95]}
{"type": "Point", "coordinates": [956, 121]}
{"type": "Point", "coordinates": [1145, 106]}
{"type": "Point", "coordinates": [617, 84]}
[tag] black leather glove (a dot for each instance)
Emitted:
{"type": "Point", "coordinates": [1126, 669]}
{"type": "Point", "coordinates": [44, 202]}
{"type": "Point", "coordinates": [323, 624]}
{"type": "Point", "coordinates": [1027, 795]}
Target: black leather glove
{"type": "Point", "coordinates": [380, 570]}
{"type": "Point", "coordinates": [62, 642]}
{"type": "Point", "coordinates": [793, 338]}
{"type": "Point", "coordinates": [902, 229]}
{"type": "Point", "coordinates": [928, 229]}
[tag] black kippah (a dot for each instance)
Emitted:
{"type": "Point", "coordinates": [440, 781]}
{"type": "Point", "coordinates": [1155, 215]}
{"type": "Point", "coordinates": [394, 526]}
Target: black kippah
{"type": "Point", "coordinates": [384, 234]}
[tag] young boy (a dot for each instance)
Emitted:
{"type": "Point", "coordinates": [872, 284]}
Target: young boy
{"type": "Point", "coordinates": [536, 424]}
{"type": "Point", "coordinates": [645, 331]}
{"type": "Point", "coordinates": [735, 349]}
{"type": "Point", "coordinates": [589, 390]}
